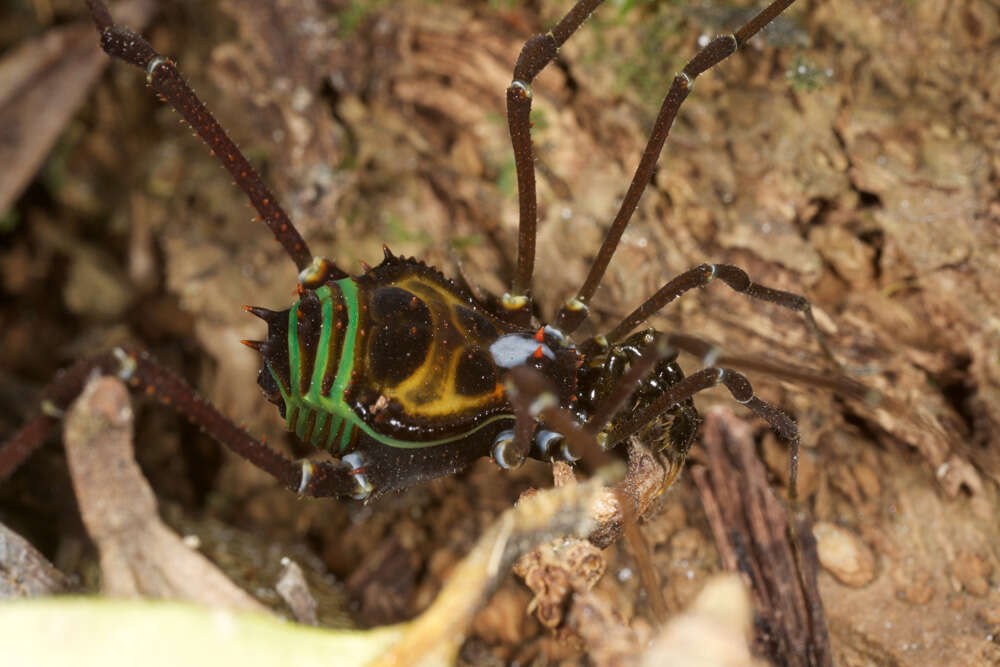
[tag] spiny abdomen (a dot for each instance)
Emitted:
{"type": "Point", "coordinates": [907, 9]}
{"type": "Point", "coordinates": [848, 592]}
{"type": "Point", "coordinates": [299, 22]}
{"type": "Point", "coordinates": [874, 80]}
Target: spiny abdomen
{"type": "Point", "coordinates": [399, 354]}
{"type": "Point", "coordinates": [308, 356]}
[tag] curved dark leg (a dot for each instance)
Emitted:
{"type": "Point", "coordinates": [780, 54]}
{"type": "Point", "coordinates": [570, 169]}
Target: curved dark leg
{"type": "Point", "coordinates": [145, 374]}
{"type": "Point", "coordinates": [574, 310]}
{"type": "Point", "coordinates": [742, 392]}
{"type": "Point", "coordinates": [536, 53]}
{"type": "Point", "coordinates": [163, 77]}
{"type": "Point", "coordinates": [700, 276]}
{"type": "Point", "coordinates": [711, 355]}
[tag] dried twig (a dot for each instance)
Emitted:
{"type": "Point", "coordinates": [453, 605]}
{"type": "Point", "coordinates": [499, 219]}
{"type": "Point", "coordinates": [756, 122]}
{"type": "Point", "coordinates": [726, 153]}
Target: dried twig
{"type": "Point", "coordinates": [24, 572]}
{"type": "Point", "coordinates": [140, 556]}
{"type": "Point", "coordinates": [750, 525]}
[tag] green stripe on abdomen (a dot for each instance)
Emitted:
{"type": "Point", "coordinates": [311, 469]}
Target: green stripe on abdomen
{"type": "Point", "coordinates": [333, 420]}
{"type": "Point", "coordinates": [342, 419]}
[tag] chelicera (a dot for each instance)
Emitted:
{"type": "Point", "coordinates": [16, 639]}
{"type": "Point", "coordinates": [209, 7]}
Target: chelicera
{"type": "Point", "coordinates": [402, 375]}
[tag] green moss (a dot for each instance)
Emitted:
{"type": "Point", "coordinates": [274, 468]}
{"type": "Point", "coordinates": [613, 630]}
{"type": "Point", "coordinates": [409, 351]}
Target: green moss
{"type": "Point", "coordinates": [805, 75]}
{"type": "Point", "coordinates": [398, 232]}
{"type": "Point", "coordinates": [642, 43]}
{"type": "Point", "coordinates": [461, 242]}
{"type": "Point", "coordinates": [355, 14]}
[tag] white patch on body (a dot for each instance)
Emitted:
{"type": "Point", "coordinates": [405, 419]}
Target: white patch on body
{"type": "Point", "coordinates": [515, 349]}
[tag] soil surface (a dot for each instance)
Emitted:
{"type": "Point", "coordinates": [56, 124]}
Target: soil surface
{"type": "Point", "coordinates": [849, 154]}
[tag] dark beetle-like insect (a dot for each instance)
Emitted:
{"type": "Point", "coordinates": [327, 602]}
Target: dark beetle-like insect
{"type": "Point", "coordinates": [402, 375]}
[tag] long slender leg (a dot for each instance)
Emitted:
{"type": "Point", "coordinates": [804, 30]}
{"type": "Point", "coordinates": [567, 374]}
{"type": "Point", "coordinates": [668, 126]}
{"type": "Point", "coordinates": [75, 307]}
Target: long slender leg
{"type": "Point", "coordinates": [536, 53]}
{"type": "Point", "coordinates": [700, 276]}
{"type": "Point", "coordinates": [736, 383]}
{"type": "Point", "coordinates": [144, 373]}
{"type": "Point", "coordinates": [742, 392]}
{"type": "Point", "coordinates": [662, 345]}
{"type": "Point", "coordinates": [574, 310]}
{"type": "Point", "coordinates": [163, 77]}
{"type": "Point", "coordinates": [710, 355]}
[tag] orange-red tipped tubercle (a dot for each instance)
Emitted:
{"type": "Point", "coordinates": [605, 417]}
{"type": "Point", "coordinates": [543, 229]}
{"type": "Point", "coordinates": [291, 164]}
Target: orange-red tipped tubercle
{"type": "Point", "coordinates": [255, 345]}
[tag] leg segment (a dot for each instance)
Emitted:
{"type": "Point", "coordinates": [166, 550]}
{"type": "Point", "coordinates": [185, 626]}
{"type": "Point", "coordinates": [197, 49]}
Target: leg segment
{"type": "Point", "coordinates": [700, 276]}
{"type": "Point", "coordinates": [742, 392]}
{"type": "Point", "coordinates": [164, 78]}
{"type": "Point", "coordinates": [711, 355]}
{"type": "Point", "coordinates": [574, 310]}
{"type": "Point", "coordinates": [536, 53]}
{"type": "Point", "coordinates": [532, 396]}
{"type": "Point", "coordinates": [144, 373]}
{"type": "Point", "coordinates": [511, 447]}
{"type": "Point", "coordinates": [736, 383]}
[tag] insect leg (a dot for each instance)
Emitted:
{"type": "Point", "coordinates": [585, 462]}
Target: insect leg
{"type": "Point", "coordinates": [56, 399]}
{"type": "Point", "coordinates": [142, 372]}
{"type": "Point", "coordinates": [574, 310]}
{"type": "Point", "coordinates": [742, 392]}
{"type": "Point", "coordinates": [536, 53]}
{"type": "Point", "coordinates": [163, 77]}
{"type": "Point", "coordinates": [712, 355]}
{"type": "Point", "coordinates": [738, 280]}
{"type": "Point", "coordinates": [511, 447]}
